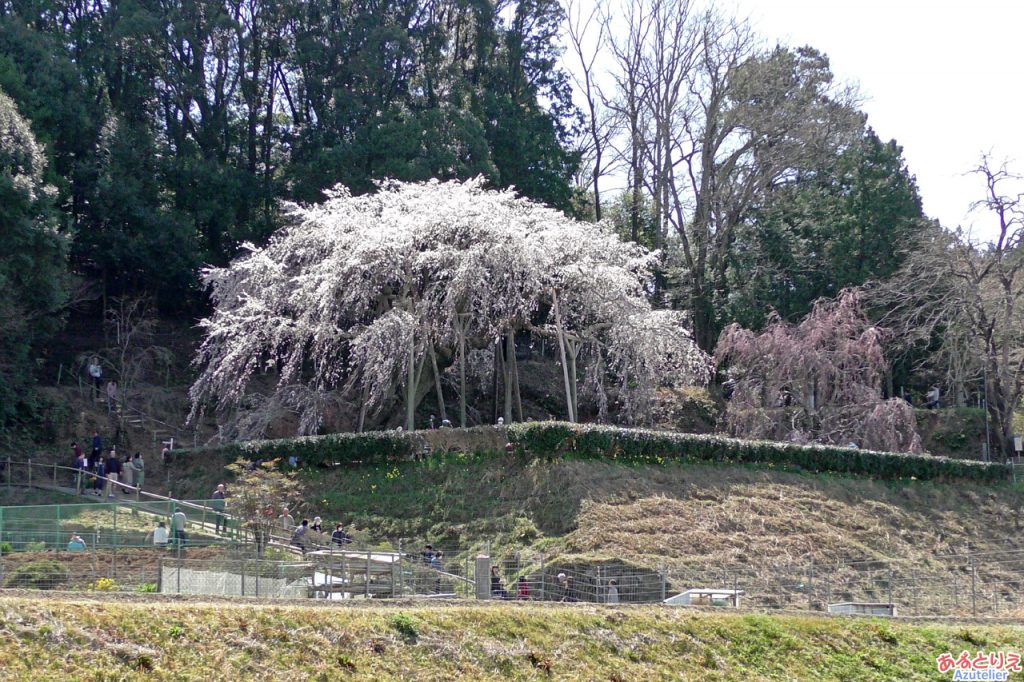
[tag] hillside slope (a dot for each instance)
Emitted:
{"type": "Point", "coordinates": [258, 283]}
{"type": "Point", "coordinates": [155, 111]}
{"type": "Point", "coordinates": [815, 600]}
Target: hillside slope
{"type": "Point", "coordinates": [677, 513]}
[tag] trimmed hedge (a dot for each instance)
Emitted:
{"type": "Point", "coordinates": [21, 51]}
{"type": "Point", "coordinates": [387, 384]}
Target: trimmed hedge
{"type": "Point", "coordinates": [655, 447]}
{"type": "Point", "coordinates": [371, 447]}
{"type": "Point", "coordinates": [590, 441]}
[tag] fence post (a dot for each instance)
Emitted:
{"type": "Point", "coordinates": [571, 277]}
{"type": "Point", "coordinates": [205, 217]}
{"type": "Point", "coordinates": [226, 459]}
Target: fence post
{"type": "Point", "coordinates": [178, 562]}
{"type": "Point", "coordinates": [113, 560]}
{"type": "Point", "coordinates": [160, 576]}
{"type": "Point", "coordinates": [257, 577]}
{"type": "Point", "coordinates": [914, 585]}
{"type": "Point", "coordinates": [7, 469]}
{"type": "Point", "coordinates": [54, 474]}
{"type": "Point", "coordinates": [401, 570]}
{"type": "Point", "coordinates": [366, 582]}
{"type": "Point", "coordinates": [243, 577]}
{"type": "Point", "coordinates": [30, 473]}
{"type": "Point", "coordinates": [810, 587]}
{"type": "Point", "coordinates": [542, 578]}
{"type": "Point", "coordinates": [735, 591]}
{"type": "Point", "coordinates": [890, 582]}
{"type": "Point", "coordinates": [974, 593]}
{"type": "Point", "coordinates": [661, 571]}
{"type": "Point", "coordinates": [828, 591]}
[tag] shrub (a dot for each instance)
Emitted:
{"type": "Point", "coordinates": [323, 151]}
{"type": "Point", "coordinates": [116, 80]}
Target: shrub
{"type": "Point", "coordinates": [103, 585]}
{"type": "Point", "coordinates": [655, 447]}
{"type": "Point", "coordinates": [405, 626]}
{"type": "Point", "coordinates": [146, 588]}
{"type": "Point", "coordinates": [5, 548]}
{"type": "Point", "coordinates": [44, 574]}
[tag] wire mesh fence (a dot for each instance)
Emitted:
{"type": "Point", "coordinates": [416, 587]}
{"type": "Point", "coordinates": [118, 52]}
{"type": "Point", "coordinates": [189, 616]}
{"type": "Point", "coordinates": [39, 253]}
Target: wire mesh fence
{"type": "Point", "coordinates": [115, 525]}
{"type": "Point", "coordinates": [117, 546]}
{"type": "Point", "coordinates": [961, 585]}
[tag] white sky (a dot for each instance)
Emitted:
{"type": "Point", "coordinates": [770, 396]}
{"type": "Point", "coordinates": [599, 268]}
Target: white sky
{"type": "Point", "coordinates": [944, 78]}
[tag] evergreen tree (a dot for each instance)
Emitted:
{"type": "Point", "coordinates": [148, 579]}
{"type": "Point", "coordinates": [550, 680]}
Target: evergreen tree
{"type": "Point", "coordinates": [33, 274]}
{"type": "Point", "coordinates": [844, 224]}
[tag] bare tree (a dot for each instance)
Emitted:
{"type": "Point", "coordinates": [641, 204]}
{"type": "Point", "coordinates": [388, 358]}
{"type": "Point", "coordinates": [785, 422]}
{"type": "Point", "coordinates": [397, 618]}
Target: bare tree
{"type": "Point", "coordinates": [967, 299]}
{"type": "Point", "coordinates": [587, 35]}
{"type": "Point", "coordinates": [714, 122]}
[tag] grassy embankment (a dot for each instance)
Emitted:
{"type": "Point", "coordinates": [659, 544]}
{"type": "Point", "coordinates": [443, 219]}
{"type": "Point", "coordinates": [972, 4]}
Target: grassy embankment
{"type": "Point", "coordinates": [72, 638]}
{"type": "Point", "coordinates": [675, 512]}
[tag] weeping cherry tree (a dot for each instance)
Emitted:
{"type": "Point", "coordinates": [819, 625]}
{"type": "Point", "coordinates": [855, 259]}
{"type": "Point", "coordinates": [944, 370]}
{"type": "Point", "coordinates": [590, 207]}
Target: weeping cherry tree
{"type": "Point", "coordinates": [375, 296]}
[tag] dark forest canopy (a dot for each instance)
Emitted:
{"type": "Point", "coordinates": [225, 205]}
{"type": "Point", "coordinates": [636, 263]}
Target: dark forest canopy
{"type": "Point", "coordinates": [174, 128]}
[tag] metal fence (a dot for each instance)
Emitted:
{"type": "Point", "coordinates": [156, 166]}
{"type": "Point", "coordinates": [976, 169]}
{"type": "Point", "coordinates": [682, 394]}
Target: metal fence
{"type": "Point", "coordinates": [114, 525]}
{"type": "Point", "coordinates": [969, 584]}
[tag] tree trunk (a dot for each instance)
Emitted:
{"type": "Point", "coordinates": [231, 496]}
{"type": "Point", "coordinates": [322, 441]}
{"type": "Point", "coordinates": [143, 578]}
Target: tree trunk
{"type": "Point", "coordinates": [515, 383]}
{"type": "Point", "coordinates": [565, 363]}
{"type": "Point", "coordinates": [437, 381]}
{"type": "Point", "coordinates": [362, 409]}
{"type": "Point", "coordinates": [494, 383]}
{"type": "Point", "coordinates": [461, 330]}
{"type": "Point", "coordinates": [410, 402]}
{"type": "Point", "coordinates": [574, 349]}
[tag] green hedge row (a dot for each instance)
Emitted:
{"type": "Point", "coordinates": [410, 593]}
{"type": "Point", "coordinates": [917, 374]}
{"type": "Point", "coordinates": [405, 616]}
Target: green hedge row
{"type": "Point", "coordinates": [616, 444]}
{"type": "Point", "coordinates": [372, 447]}
{"type": "Point", "coordinates": [655, 447]}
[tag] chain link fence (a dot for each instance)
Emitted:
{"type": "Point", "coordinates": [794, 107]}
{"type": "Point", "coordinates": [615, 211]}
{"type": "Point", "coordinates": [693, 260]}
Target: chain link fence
{"type": "Point", "coordinates": [119, 553]}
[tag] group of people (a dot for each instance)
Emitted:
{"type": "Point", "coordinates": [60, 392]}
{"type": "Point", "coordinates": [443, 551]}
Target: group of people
{"type": "Point", "coordinates": [163, 537]}
{"type": "Point", "coordinates": [498, 590]}
{"type": "Point", "coordinates": [106, 474]}
{"type": "Point", "coordinates": [563, 590]}
{"type": "Point", "coordinates": [302, 532]}
{"type": "Point", "coordinates": [95, 371]}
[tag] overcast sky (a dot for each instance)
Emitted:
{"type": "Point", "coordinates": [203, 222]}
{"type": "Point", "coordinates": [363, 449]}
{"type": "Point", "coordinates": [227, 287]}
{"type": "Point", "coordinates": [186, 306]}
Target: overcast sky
{"type": "Point", "coordinates": [944, 78]}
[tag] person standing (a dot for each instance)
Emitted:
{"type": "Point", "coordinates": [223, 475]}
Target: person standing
{"type": "Point", "coordinates": [218, 505]}
{"type": "Point", "coordinates": [286, 520]}
{"type": "Point", "coordinates": [111, 395]}
{"type": "Point", "coordinates": [81, 464]}
{"type": "Point", "coordinates": [299, 536]}
{"type": "Point", "coordinates": [127, 474]}
{"type": "Point", "coordinates": [497, 589]}
{"type": "Point", "coordinates": [339, 536]}
{"type": "Point", "coordinates": [113, 468]}
{"type": "Point", "coordinates": [96, 375]}
{"type": "Point", "coordinates": [97, 449]}
{"type": "Point", "coordinates": [524, 588]}
{"type": "Point", "coordinates": [99, 481]}
{"type": "Point", "coordinates": [613, 592]}
{"type": "Point", "coordinates": [140, 470]}
{"type": "Point", "coordinates": [178, 521]}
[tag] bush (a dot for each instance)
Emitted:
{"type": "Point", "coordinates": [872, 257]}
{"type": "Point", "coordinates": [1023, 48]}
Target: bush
{"type": "Point", "coordinates": [656, 447]}
{"type": "Point", "coordinates": [103, 585]}
{"type": "Point", "coordinates": [45, 574]}
{"type": "Point", "coordinates": [5, 548]}
{"type": "Point", "coordinates": [405, 626]}
{"type": "Point", "coordinates": [146, 588]}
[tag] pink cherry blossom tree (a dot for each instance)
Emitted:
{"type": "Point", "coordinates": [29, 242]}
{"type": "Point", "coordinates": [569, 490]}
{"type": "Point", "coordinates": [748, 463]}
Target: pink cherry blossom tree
{"type": "Point", "coordinates": [817, 381]}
